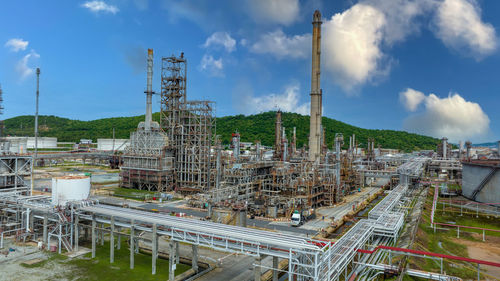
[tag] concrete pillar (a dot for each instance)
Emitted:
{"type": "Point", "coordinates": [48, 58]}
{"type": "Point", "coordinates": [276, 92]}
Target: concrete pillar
{"type": "Point", "coordinates": [171, 264]}
{"type": "Point", "coordinates": [112, 241]}
{"type": "Point", "coordinates": [45, 231]}
{"type": "Point", "coordinates": [77, 233]}
{"type": "Point", "coordinates": [102, 234]}
{"type": "Point", "coordinates": [154, 249]}
{"type": "Point", "coordinates": [119, 242]}
{"type": "Point", "coordinates": [194, 261]}
{"type": "Point", "coordinates": [275, 266]}
{"type": "Point", "coordinates": [256, 269]}
{"type": "Point", "coordinates": [31, 221]}
{"type": "Point", "coordinates": [132, 244]}
{"type": "Point", "coordinates": [93, 236]}
{"type": "Point", "coordinates": [177, 254]}
{"type": "Point", "coordinates": [86, 233]}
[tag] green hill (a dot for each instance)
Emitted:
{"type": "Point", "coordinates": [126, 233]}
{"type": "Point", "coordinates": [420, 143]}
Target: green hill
{"type": "Point", "coordinates": [251, 128]}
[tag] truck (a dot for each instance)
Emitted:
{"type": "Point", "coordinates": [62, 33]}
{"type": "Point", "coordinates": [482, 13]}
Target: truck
{"type": "Point", "coordinates": [299, 217]}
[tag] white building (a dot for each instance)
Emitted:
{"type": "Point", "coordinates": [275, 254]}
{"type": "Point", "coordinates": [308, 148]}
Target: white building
{"type": "Point", "coordinates": [43, 142]}
{"type": "Point", "coordinates": [110, 144]}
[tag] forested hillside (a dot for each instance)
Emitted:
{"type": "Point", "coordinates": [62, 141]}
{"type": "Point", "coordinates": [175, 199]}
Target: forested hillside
{"type": "Point", "coordinates": [251, 128]}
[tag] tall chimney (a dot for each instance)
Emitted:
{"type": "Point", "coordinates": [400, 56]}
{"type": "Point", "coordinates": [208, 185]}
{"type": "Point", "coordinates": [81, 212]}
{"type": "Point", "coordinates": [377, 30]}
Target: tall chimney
{"type": "Point", "coordinates": [149, 92]}
{"type": "Point", "coordinates": [36, 111]}
{"type": "Point", "coordinates": [294, 140]}
{"type": "Point", "coordinates": [277, 136]}
{"type": "Point", "coordinates": [316, 102]}
{"type": "Point", "coordinates": [468, 145]}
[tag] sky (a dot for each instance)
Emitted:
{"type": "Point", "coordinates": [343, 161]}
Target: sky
{"type": "Point", "coordinates": [425, 66]}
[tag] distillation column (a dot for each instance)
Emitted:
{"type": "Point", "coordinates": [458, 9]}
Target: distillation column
{"type": "Point", "coordinates": [149, 92]}
{"type": "Point", "coordinates": [316, 94]}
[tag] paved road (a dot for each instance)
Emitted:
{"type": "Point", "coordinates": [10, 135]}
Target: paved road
{"type": "Point", "coordinates": [175, 206]}
{"type": "Point", "coordinates": [339, 211]}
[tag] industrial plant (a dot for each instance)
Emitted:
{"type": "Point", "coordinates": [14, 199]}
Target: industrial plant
{"type": "Point", "coordinates": [352, 211]}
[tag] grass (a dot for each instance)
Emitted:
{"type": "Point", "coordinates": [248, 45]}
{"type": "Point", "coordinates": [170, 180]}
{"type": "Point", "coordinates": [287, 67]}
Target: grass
{"type": "Point", "coordinates": [135, 194]}
{"type": "Point", "coordinates": [99, 268]}
{"type": "Point", "coordinates": [445, 241]}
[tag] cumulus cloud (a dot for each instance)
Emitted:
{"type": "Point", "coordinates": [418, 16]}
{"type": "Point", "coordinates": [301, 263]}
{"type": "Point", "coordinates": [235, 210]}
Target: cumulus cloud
{"type": "Point", "coordinates": [221, 39]}
{"type": "Point", "coordinates": [212, 66]}
{"type": "Point", "coordinates": [451, 117]}
{"type": "Point", "coordinates": [100, 6]}
{"type": "Point", "coordinates": [288, 101]}
{"type": "Point", "coordinates": [411, 99]}
{"type": "Point", "coordinates": [460, 27]}
{"type": "Point", "coordinates": [282, 12]}
{"type": "Point", "coordinates": [278, 44]}
{"type": "Point", "coordinates": [16, 44]}
{"type": "Point", "coordinates": [22, 66]}
{"type": "Point", "coordinates": [352, 45]}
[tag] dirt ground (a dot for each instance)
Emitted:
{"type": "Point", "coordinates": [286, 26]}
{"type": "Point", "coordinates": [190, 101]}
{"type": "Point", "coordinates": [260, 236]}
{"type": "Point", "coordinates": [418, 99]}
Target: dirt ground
{"type": "Point", "coordinates": [12, 270]}
{"type": "Point", "coordinates": [488, 251]}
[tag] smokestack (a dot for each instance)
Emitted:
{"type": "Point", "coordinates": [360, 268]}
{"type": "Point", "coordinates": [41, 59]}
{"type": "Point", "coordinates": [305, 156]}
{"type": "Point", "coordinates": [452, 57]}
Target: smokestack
{"type": "Point", "coordinates": [236, 145]}
{"type": "Point", "coordinates": [36, 111]}
{"type": "Point", "coordinates": [277, 136]}
{"type": "Point", "coordinates": [468, 145]}
{"type": "Point", "coordinates": [315, 120]}
{"type": "Point", "coordinates": [149, 92]}
{"type": "Point", "coordinates": [294, 147]}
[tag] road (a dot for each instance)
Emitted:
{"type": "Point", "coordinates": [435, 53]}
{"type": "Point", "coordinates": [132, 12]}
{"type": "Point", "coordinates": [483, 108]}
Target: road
{"type": "Point", "coordinates": [177, 206]}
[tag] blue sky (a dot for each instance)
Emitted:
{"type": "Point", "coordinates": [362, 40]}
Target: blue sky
{"type": "Point", "coordinates": [426, 66]}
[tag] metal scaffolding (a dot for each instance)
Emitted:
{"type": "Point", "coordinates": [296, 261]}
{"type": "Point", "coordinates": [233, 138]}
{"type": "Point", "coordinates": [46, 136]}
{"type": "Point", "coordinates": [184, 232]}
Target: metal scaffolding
{"type": "Point", "coordinates": [190, 126]}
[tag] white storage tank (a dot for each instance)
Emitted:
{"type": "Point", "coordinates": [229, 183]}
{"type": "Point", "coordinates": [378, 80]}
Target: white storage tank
{"type": "Point", "coordinates": [70, 188]}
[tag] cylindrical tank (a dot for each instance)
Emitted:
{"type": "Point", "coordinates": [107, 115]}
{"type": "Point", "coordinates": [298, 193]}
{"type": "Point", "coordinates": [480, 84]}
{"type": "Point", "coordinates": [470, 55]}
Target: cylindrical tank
{"type": "Point", "coordinates": [70, 188]}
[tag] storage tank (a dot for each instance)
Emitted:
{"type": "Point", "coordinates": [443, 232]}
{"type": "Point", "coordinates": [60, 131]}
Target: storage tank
{"type": "Point", "coordinates": [70, 188]}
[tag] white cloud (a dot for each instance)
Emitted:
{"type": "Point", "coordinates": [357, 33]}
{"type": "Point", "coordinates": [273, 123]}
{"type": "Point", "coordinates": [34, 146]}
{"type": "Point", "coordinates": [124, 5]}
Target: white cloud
{"type": "Point", "coordinates": [451, 117]}
{"type": "Point", "coordinates": [401, 16]}
{"type": "Point", "coordinates": [22, 66]}
{"type": "Point", "coordinates": [221, 39]}
{"type": "Point", "coordinates": [282, 12]}
{"type": "Point", "coordinates": [411, 99]}
{"type": "Point", "coordinates": [352, 45]}
{"type": "Point", "coordinates": [287, 101]}
{"type": "Point", "coordinates": [214, 67]}
{"type": "Point", "coordinates": [100, 6]}
{"type": "Point", "coordinates": [17, 44]}
{"type": "Point", "coordinates": [278, 44]}
{"type": "Point", "coordinates": [460, 27]}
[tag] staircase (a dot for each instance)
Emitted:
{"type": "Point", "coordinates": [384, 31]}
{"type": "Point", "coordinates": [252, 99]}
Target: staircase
{"type": "Point", "coordinates": [60, 228]}
{"type": "Point", "coordinates": [483, 183]}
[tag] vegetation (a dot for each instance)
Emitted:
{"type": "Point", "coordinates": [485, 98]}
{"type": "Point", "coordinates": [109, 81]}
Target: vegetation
{"type": "Point", "coordinates": [446, 241]}
{"type": "Point", "coordinates": [251, 128]}
{"type": "Point", "coordinates": [99, 268]}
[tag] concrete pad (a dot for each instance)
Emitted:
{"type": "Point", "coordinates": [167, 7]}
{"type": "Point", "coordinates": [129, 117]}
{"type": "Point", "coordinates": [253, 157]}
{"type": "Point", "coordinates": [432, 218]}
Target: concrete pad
{"type": "Point", "coordinates": [33, 261]}
{"type": "Point", "coordinates": [81, 251]}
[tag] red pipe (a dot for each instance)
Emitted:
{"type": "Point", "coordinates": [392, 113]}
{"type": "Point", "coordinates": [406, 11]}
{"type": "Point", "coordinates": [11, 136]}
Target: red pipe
{"type": "Point", "coordinates": [396, 249]}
